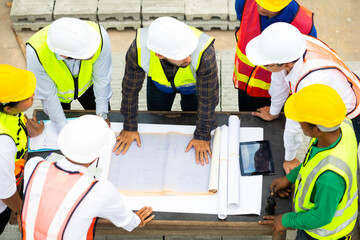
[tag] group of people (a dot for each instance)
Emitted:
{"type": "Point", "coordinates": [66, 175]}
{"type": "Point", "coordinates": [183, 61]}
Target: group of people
{"type": "Point", "coordinates": [277, 56]}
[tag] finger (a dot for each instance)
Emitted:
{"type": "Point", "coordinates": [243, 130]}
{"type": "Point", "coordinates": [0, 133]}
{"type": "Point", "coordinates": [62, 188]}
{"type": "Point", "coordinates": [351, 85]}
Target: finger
{"type": "Point", "coordinates": [197, 157]}
{"type": "Point", "coordinates": [206, 157]}
{"type": "Point", "coordinates": [189, 146]}
{"type": "Point", "coordinates": [34, 116]}
{"type": "Point", "coordinates": [209, 151]}
{"type": "Point", "coordinates": [41, 123]}
{"type": "Point", "coordinates": [202, 157]}
{"type": "Point", "coordinates": [266, 222]}
{"type": "Point", "coordinates": [149, 219]}
{"type": "Point", "coordinates": [257, 114]}
{"type": "Point", "coordinates": [138, 141]}
{"type": "Point", "coordinates": [126, 147]}
{"type": "Point", "coordinates": [269, 217]}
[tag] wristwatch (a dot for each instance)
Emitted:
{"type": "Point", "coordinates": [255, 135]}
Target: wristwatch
{"type": "Point", "coordinates": [103, 115]}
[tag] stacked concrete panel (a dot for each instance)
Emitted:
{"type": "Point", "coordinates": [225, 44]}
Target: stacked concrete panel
{"type": "Point", "coordinates": [31, 14]}
{"type": "Point", "coordinates": [83, 9]}
{"type": "Point", "coordinates": [233, 21]}
{"type": "Point", "coordinates": [119, 14]}
{"type": "Point", "coordinates": [152, 9]}
{"type": "Point", "coordinates": [207, 14]}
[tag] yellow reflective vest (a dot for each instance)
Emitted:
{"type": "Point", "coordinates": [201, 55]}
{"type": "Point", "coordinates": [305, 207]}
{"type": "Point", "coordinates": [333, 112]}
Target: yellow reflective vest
{"type": "Point", "coordinates": [185, 78]}
{"type": "Point", "coordinates": [69, 87]}
{"type": "Point", "coordinates": [341, 159]}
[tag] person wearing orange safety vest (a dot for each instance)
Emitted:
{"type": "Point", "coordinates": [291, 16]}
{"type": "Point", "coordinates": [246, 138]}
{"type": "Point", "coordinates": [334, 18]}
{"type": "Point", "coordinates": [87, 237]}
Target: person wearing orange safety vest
{"type": "Point", "coordinates": [62, 200]}
{"type": "Point", "coordinates": [255, 16]}
{"type": "Point", "coordinates": [297, 61]}
{"type": "Point", "coordinates": [326, 186]}
{"type": "Point", "coordinates": [16, 96]}
{"type": "Point", "coordinates": [71, 59]}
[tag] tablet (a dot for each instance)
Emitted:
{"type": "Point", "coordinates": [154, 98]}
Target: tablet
{"type": "Point", "coordinates": [255, 158]}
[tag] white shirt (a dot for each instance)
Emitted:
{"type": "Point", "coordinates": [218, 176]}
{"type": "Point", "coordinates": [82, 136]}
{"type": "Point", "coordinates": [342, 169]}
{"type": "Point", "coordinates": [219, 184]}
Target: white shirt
{"type": "Point", "coordinates": [46, 89]}
{"type": "Point", "coordinates": [279, 92]}
{"type": "Point", "coordinates": [7, 167]}
{"type": "Point", "coordinates": [102, 201]}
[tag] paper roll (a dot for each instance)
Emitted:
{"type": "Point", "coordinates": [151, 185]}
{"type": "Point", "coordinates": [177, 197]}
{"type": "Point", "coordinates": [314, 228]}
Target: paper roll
{"type": "Point", "coordinates": [223, 172]}
{"type": "Point", "coordinates": [214, 169]}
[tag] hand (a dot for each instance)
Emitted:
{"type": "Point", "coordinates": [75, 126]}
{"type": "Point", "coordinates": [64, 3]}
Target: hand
{"type": "Point", "coordinates": [124, 140]}
{"type": "Point", "coordinates": [275, 221]}
{"type": "Point", "coordinates": [144, 214]}
{"type": "Point", "coordinates": [202, 149]}
{"type": "Point", "coordinates": [18, 218]}
{"type": "Point", "coordinates": [281, 187]}
{"type": "Point", "coordinates": [108, 122]}
{"type": "Point", "coordinates": [34, 128]}
{"type": "Point", "coordinates": [264, 113]}
{"type": "Point", "coordinates": [290, 165]}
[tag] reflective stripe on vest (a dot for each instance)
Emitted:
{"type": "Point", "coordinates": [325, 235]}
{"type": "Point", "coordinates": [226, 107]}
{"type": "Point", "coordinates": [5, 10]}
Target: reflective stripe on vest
{"type": "Point", "coordinates": [319, 56]}
{"type": "Point", "coordinates": [51, 197]}
{"type": "Point", "coordinates": [255, 80]}
{"type": "Point", "coordinates": [185, 78]}
{"type": "Point", "coordinates": [59, 72]}
{"type": "Point", "coordinates": [15, 127]}
{"type": "Point", "coordinates": [342, 159]}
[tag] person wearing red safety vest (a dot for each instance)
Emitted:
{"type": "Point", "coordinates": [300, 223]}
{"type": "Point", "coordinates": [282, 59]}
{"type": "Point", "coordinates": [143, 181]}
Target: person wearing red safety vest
{"type": "Point", "coordinates": [297, 61]}
{"type": "Point", "coordinates": [16, 96]}
{"type": "Point", "coordinates": [255, 16]}
{"type": "Point", "coordinates": [62, 200]}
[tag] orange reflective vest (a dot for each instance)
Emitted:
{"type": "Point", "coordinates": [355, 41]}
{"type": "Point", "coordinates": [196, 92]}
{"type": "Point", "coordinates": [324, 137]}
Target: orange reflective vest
{"type": "Point", "coordinates": [15, 127]}
{"type": "Point", "coordinates": [255, 80]}
{"type": "Point", "coordinates": [51, 197]}
{"type": "Point", "coordinates": [318, 56]}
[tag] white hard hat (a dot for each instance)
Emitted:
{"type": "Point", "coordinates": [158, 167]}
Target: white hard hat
{"type": "Point", "coordinates": [86, 138]}
{"type": "Point", "coordinates": [278, 43]}
{"type": "Point", "coordinates": [171, 38]}
{"type": "Point", "coordinates": [73, 38]}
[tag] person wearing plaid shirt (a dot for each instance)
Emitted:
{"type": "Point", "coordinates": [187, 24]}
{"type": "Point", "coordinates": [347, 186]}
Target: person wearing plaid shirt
{"type": "Point", "coordinates": [177, 58]}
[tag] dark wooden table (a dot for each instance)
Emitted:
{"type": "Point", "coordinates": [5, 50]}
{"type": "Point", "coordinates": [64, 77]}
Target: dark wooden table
{"type": "Point", "coordinates": [203, 224]}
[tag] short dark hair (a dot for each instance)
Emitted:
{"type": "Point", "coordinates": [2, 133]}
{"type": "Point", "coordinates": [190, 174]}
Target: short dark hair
{"type": "Point", "coordinates": [9, 104]}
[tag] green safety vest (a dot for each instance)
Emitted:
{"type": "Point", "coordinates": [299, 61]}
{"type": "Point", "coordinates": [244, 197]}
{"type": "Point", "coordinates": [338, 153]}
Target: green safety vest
{"type": "Point", "coordinates": [185, 78]}
{"type": "Point", "coordinates": [15, 127]}
{"type": "Point", "coordinates": [341, 159]}
{"type": "Point", "coordinates": [68, 87]}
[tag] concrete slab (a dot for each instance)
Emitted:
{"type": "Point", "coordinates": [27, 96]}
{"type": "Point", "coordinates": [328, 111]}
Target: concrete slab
{"type": "Point", "coordinates": [354, 66]}
{"type": "Point", "coordinates": [33, 26]}
{"type": "Point", "coordinates": [120, 25]}
{"type": "Point", "coordinates": [32, 10]}
{"type": "Point", "coordinates": [206, 10]}
{"type": "Point", "coordinates": [233, 25]}
{"type": "Point", "coordinates": [232, 12]}
{"type": "Point", "coordinates": [152, 9]}
{"type": "Point", "coordinates": [208, 25]}
{"type": "Point", "coordinates": [84, 9]}
{"type": "Point", "coordinates": [193, 238]}
{"type": "Point", "coordinates": [127, 10]}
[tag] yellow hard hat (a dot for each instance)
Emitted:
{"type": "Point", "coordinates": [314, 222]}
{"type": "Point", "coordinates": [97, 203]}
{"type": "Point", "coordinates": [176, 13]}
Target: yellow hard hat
{"type": "Point", "coordinates": [316, 104]}
{"type": "Point", "coordinates": [273, 5]}
{"type": "Point", "coordinates": [16, 84]}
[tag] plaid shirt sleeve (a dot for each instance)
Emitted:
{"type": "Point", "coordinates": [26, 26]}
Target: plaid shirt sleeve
{"type": "Point", "coordinates": [131, 85]}
{"type": "Point", "coordinates": [207, 86]}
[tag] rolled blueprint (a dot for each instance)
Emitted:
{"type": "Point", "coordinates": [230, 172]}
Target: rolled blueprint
{"type": "Point", "coordinates": [223, 172]}
{"type": "Point", "coordinates": [214, 169]}
{"type": "Point", "coordinates": [233, 163]}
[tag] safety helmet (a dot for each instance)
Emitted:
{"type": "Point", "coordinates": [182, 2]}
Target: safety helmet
{"type": "Point", "coordinates": [86, 138]}
{"type": "Point", "coordinates": [273, 5]}
{"type": "Point", "coordinates": [16, 84]}
{"type": "Point", "coordinates": [73, 38]}
{"type": "Point", "coordinates": [317, 104]}
{"type": "Point", "coordinates": [279, 43]}
{"type": "Point", "coordinates": [171, 38]}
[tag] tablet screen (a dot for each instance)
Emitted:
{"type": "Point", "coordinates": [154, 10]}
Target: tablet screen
{"type": "Point", "coordinates": [255, 158]}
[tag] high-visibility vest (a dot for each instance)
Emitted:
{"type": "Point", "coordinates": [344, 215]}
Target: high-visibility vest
{"type": "Point", "coordinates": [255, 80]}
{"type": "Point", "coordinates": [341, 159]}
{"type": "Point", "coordinates": [319, 56]}
{"type": "Point", "coordinates": [68, 87]}
{"type": "Point", "coordinates": [185, 78]}
{"type": "Point", "coordinates": [15, 127]}
{"type": "Point", "coordinates": [51, 197]}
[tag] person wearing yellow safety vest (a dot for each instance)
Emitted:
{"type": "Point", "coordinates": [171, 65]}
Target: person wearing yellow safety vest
{"type": "Point", "coordinates": [326, 191]}
{"type": "Point", "coordinates": [71, 59]}
{"type": "Point", "coordinates": [296, 61]}
{"type": "Point", "coordinates": [62, 200]}
{"type": "Point", "coordinates": [16, 96]}
{"type": "Point", "coordinates": [177, 58]}
{"type": "Point", "coordinates": [255, 16]}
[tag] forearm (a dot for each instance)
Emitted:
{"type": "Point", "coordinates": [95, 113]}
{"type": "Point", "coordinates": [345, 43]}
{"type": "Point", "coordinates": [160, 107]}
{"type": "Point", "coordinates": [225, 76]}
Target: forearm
{"type": "Point", "coordinates": [14, 202]}
{"type": "Point", "coordinates": [53, 109]}
{"type": "Point", "coordinates": [279, 92]}
{"type": "Point", "coordinates": [292, 139]}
